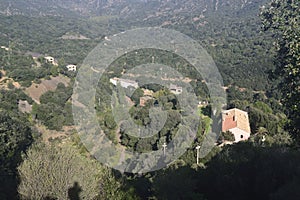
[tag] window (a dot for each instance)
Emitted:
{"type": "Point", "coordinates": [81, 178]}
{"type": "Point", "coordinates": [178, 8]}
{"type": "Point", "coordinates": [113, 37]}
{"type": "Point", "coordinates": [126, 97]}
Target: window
{"type": "Point", "coordinates": [242, 136]}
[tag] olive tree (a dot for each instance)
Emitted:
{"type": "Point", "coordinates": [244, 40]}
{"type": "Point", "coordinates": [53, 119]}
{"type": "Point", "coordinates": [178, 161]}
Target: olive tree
{"type": "Point", "coordinates": [54, 171]}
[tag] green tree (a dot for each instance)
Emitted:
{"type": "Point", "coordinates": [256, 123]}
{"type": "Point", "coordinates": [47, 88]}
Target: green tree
{"type": "Point", "coordinates": [282, 17]}
{"type": "Point", "coordinates": [227, 136]}
{"type": "Point", "coordinates": [15, 137]}
{"type": "Point", "coordinates": [51, 171]}
{"type": "Point", "coordinates": [55, 111]}
{"type": "Point", "coordinates": [136, 95]}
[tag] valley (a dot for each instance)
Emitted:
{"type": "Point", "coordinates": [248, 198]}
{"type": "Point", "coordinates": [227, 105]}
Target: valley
{"type": "Point", "coordinates": [57, 143]}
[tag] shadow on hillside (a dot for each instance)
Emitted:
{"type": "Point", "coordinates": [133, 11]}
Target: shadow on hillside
{"type": "Point", "coordinates": [74, 192]}
{"type": "Point", "coordinates": [240, 172]}
{"type": "Point", "coordinates": [8, 187]}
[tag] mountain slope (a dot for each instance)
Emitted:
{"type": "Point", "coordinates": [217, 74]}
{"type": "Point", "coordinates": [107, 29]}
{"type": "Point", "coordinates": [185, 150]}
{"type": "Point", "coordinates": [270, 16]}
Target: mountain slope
{"type": "Point", "coordinates": [228, 29]}
{"type": "Point", "coordinates": [121, 7]}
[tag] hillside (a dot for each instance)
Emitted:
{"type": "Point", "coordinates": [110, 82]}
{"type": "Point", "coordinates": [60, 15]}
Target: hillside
{"type": "Point", "coordinates": [121, 7]}
{"type": "Point", "coordinates": [157, 132]}
{"type": "Point", "coordinates": [228, 29]}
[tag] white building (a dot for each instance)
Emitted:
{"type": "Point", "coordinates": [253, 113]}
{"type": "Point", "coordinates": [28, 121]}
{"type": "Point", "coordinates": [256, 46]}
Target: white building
{"type": "Point", "coordinates": [71, 68]}
{"type": "Point", "coordinates": [125, 83]}
{"type": "Point", "coordinates": [51, 60]}
{"type": "Point", "coordinates": [5, 48]}
{"type": "Point", "coordinates": [175, 89]}
{"type": "Point", "coordinates": [237, 122]}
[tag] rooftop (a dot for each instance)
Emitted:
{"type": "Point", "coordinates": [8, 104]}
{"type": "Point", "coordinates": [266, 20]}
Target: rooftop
{"type": "Point", "coordinates": [235, 118]}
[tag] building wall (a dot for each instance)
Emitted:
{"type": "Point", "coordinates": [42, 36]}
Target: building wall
{"type": "Point", "coordinates": [239, 135]}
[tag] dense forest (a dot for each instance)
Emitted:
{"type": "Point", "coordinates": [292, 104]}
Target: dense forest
{"type": "Point", "coordinates": [255, 46]}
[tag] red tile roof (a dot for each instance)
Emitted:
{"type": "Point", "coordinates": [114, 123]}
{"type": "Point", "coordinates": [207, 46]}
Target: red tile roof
{"type": "Point", "coordinates": [228, 123]}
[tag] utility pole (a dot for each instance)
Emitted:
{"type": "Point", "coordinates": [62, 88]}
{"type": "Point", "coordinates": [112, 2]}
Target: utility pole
{"type": "Point", "coordinates": [198, 151]}
{"type": "Point", "coordinates": [164, 147]}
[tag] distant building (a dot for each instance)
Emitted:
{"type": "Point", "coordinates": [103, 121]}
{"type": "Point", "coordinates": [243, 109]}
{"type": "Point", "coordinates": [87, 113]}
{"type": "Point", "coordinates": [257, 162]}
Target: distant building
{"type": "Point", "coordinates": [143, 100]}
{"type": "Point", "coordinates": [71, 68]}
{"type": "Point", "coordinates": [24, 106]}
{"type": "Point", "coordinates": [202, 103]}
{"type": "Point", "coordinates": [148, 93]}
{"type": "Point", "coordinates": [5, 48]}
{"type": "Point", "coordinates": [237, 122]}
{"type": "Point", "coordinates": [49, 59]}
{"type": "Point", "coordinates": [175, 89]}
{"type": "Point", "coordinates": [125, 83]}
